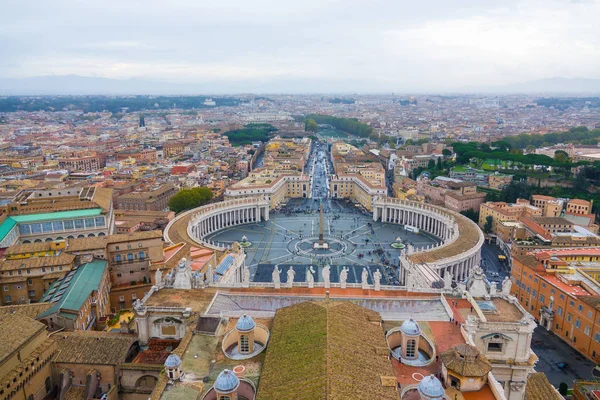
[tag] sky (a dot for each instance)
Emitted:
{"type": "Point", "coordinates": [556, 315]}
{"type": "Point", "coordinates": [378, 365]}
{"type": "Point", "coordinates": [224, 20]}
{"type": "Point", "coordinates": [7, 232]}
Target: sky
{"type": "Point", "coordinates": [365, 44]}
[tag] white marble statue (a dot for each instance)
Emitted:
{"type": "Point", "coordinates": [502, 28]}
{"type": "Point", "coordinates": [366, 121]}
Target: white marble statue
{"type": "Point", "coordinates": [493, 288]}
{"type": "Point", "coordinates": [290, 277]}
{"type": "Point", "coordinates": [158, 278]}
{"type": "Point", "coordinates": [310, 277]}
{"type": "Point", "coordinates": [275, 276]}
{"type": "Point", "coordinates": [506, 286]}
{"type": "Point", "coordinates": [343, 277]}
{"type": "Point", "coordinates": [246, 276]}
{"type": "Point", "coordinates": [325, 273]}
{"type": "Point", "coordinates": [365, 278]}
{"type": "Point", "coordinates": [448, 278]}
{"type": "Point", "coordinates": [377, 279]}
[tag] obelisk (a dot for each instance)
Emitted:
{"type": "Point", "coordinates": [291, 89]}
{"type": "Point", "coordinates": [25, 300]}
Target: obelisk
{"type": "Point", "coordinates": [321, 244]}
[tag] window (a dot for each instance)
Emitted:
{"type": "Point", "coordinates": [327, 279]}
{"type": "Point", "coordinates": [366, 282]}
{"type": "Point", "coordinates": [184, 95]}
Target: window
{"type": "Point", "coordinates": [68, 224]}
{"type": "Point", "coordinates": [57, 226]}
{"type": "Point", "coordinates": [587, 330]}
{"type": "Point", "coordinates": [578, 324]}
{"type": "Point", "coordinates": [141, 255]}
{"type": "Point", "coordinates": [495, 347]}
{"type": "Point", "coordinates": [134, 296]}
{"type": "Point", "coordinates": [543, 285]}
{"type": "Point", "coordinates": [7, 299]}
{"type": "Point", "coordinates": [580, 307]}
{"type": "Point", "coordinates": [79, 224]}
{"type": "Point", "coordinates": [542, 298]}
{"type": "Point", "coordinates": [118, 258]}
{"type": "Point", "coordinates": [572, 303]}
{"type": "Point", "coordinates": [597, 337]}
{"type": "Point", "coordinates": [36, 228]}
{"type": "Point", "coordinates": [99, 221]}
{"type": "Point", "coordinates": [569, 317]}
{"type": "Point", "coordinates": [562, 296]}
{"type": "Point", "coordinates": [244, 344]}
{"type": "Point", "coordinates": [559, 311]}
{"type": "Point", "coordinates": [6, 288]}
{"type": "Point", "coordinates": [590, 314]}
{"type": "Point", "coordinates": [224, 398]}
{"type": "Point", "coordinates": [518, 282]}
{"type": "Point", "coordinates": [411, 348]}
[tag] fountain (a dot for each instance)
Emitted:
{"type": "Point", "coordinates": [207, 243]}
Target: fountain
{"type": "Point", "coordinates": [398, 244]}
{"type": "Point", "coordinates": [245, 243]}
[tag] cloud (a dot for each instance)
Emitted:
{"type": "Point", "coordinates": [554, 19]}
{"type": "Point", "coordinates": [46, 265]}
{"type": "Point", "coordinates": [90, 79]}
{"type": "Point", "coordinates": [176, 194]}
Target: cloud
{"type": "Point", "coordinates": [431, 44]}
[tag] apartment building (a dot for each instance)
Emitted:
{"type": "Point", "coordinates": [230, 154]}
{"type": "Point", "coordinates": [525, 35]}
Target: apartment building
{"type": "Point", "coordinates": [154, 199]}
{"type": "Point", "coordinates": [559, 287]}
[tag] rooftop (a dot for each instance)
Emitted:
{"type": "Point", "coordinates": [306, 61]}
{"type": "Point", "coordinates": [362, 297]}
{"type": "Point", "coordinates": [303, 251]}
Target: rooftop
{"type": "Point", "coordinates": [92, 347]}
{"type": "Point", "coordinates": [74, 289]}
{"type": "Point", "coordinates": [313, 354]}
{"type": "Point", "coordinates": [16, 330]}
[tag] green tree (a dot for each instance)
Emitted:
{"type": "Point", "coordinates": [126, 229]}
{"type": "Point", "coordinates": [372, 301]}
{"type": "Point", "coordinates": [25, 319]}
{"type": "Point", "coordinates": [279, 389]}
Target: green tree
{"type": "Point", "coordinates": [439, 163]}
{"type": "Point", "coordinates": [311, 125]}
{"type": "Point", "coordinates": [561, 156]}
{"type": "Point", "coordinates": [471, 214]}
{"type": "Point", "coordinates": [563, 388]}
{"type": "Point", "coordinates": [446, 153]}
{"type": "Point", "coordinates": [186, 199]}
{"type": "Point", "coordinates": [487, 227]}
{"type": "Point", "coordinates": [431, 164]}
{"type": "Point", "coordinates": [530, 149]}
{"type": "Point", "coordinates": [581, 184]}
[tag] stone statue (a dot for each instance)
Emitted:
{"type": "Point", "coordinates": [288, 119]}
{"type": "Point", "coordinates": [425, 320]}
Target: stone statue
{"type": "Point", "coordinates": [377, 279]}
{"type": "Point", "coordinates": [246, 276]}
{"type": "Point", "coordinates": [506, 286]}
{"type": "Point", "coordinates": [365, 278]}
{"type": "Point", "coordinates": [343, 277]}
{"type": "Point", "coordinates": [493, 288]}
{"type": "Point", "coordinates": [158, 278]}
{"type": "Point", "coordinates": [276, 277]}
{"type": "Point", "coordinates": [325, 273]}
{"type": "Point", "coordinates": [448, 278]}
{"type": "Point", "coordinates": [290, 277]}
{"type": "Point", "coordinates": [310, 278]}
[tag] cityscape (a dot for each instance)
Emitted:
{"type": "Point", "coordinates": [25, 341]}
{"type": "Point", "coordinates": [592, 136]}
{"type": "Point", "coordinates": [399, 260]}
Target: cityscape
{"type": "Point", "coordinates": [254, 201]}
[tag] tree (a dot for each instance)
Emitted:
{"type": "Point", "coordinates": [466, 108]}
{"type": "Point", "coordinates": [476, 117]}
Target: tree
{"type": "Point", "coordinates": [581, 184]}
{"type": "Point", "coordinates": [487, 227]}
{"type": "Point", "coordinates": [431, 164]}
{"type": "Point", "coordinates": [561, 156]}
{"type": "Point", "coordinates": [311, 125]}
{"type": "Point", "coordinates": [186, 199]}
{"type": "Point", "coordinates": [563, 388]}
{"type": "Point", "coordinates": [471, 214]}
{"type": "Point", "coordinates": [439, 163]}
{"type": "Point", "coordinates": [446, 153]}
{"type": "Point", "coordinates": [530, 149]}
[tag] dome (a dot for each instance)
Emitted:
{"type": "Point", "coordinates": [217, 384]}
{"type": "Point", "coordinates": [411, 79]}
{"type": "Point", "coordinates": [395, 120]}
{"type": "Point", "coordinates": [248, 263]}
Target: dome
{"type": "Point", "coordinates": [226, 382]}
{"type": "Point", "coordinates": [410, 327]}
{"type": "Point", "coordinates": [431, 388]}
{"type": "Point", "coordinates": [173, 361]}
{"type": "Point", "coordinates": [245, 324]}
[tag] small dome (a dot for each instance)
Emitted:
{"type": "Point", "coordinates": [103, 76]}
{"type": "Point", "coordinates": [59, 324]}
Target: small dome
{"type": "Point", "coordinates": [245, 324]}
{"type": "Point", "coordinates": [410, 327]}
{"type": "Point", "coordinates": [430, 388]}
{"type": "Point", "coordinates": [226, 382]}
{"type": "Point", "coordinates": [173, 361]}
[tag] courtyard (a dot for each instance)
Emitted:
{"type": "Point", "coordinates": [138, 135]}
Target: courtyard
{"type": "Point", "coordinates": [354, 241]}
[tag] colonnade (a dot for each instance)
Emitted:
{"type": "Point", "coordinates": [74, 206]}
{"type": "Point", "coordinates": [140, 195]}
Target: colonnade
{"type": "Point", "coordinates": [453, 256]}
{"type": "Point", "coordinates": [432, 223]}
{"type": "Point", "coordinates": [225, 218]}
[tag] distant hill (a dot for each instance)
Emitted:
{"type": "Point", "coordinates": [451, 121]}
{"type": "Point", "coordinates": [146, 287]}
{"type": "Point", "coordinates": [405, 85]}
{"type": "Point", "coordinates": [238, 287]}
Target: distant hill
{"type": "Point", "coordinates": [84, 85]}
{"type": "Point", "coordinates": [545, 86]}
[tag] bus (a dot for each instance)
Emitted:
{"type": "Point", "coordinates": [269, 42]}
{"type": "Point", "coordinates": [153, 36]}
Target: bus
{"type": "Point", "coordinates": [501, 258]}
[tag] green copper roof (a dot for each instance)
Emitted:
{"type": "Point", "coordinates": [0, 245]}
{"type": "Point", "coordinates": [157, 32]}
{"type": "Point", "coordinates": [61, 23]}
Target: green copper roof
{"type": "Point", "coordinates": [70, 292]}
{"type": "Point", "coordinates": [6, 226]}
{"type": "Point", "coordinates": [10, 222]}
{"type": "Point", "coordinates": [88, 212]}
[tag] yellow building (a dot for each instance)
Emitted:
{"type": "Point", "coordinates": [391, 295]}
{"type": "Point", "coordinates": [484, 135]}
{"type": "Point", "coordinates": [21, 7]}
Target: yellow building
{"type": "Point", "coordinates": [25, 358]}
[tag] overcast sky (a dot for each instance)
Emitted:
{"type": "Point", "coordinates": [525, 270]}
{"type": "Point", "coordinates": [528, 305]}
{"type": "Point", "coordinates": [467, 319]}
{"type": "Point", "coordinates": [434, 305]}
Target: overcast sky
{"type": "Point", "coordinates": [396, 44]}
